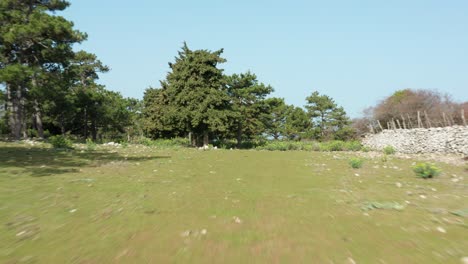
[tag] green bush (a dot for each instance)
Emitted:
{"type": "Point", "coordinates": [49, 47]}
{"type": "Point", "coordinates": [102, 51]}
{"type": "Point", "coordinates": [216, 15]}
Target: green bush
{"type": "Point", "coordinates": [61, 142]}
{"type": "Point", "coordinates": [163, 143]}
{"type": "Point", "coordinates": [173, 142]}
{"type": "Point", "coordinates": [426, 170]}
{"type": "Point", "coordinates": [143, 141]}
{"type": "Point", "coordinates": [353, 145]}
{"type": "Point", "coordinates": [335, 145]}
{"type": "Point", "coordinates": [365, 149]}
{"type": "Point", "coordinates": [90, 145]}
{"type": "Point", "coordinates": [389, 150]}
{"type": "Point", "coordinates": [356, 163]}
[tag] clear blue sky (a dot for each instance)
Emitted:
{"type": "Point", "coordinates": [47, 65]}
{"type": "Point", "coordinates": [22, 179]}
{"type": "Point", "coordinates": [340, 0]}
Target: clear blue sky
{"type": "Point", "coordinates": [357, 52]}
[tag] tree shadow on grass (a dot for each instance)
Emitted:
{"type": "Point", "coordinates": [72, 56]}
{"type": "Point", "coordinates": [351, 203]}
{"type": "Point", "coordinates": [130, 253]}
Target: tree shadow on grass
{"type": "Point", "coordinates": [39, 162]}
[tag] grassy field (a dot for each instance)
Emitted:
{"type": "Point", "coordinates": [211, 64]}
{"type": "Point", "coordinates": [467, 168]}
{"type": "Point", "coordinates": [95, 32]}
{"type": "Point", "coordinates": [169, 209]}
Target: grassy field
{"type": "Point", "coordinates": [146, 205]}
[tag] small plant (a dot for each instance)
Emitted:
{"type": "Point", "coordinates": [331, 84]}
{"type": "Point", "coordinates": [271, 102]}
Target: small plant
{"type": "Point", "coordinates": [389, 150]}
{"type": "Point", "coordinates": [426, 170]}
{"type": "Point", "coordinates": [356, 163]}
{"type": "Point", "coordinates": [60, 142]}
{"type": "Point", "coordinates": [90, 144]}
{"type": "Point", "coordinates": [384, 158]}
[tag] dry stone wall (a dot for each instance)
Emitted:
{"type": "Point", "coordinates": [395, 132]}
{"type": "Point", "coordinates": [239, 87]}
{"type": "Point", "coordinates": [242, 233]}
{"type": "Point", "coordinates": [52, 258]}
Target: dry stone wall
{"type": "Point", "coordinates": [422, 140]}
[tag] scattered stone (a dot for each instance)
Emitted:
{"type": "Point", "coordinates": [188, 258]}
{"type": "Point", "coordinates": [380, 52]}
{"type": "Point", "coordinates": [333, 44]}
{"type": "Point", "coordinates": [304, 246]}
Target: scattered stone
{"type": "Point", "coordinates": [453, 139]}
{"type": "Point", "coordinates": [237, 220]}
{"type": "Point", "coordinates": [351, 261]}
{"type": "Point", "coordinates": [185, 233]}
{"type": "Point", "coordinates": [21, 233]}
{"type": "Point", "coordinates": [382, 205]}
{"type": "Point", "coordinates": [203, 232]}
{"type": "Point", "coordinates": [398, 185]}
{"type": "Point", "coordinates": [72, 211]}
{"type": "Point", "coordinates": [461, 212]}
{"type": "Point", "coordinates": [437, 210]}
{"type": "Point", "coordinates": [441, 229]}
{"type": "Point", "coordinates": [356, 174]}
{"type": "Point", "coordinates": [422, 196]}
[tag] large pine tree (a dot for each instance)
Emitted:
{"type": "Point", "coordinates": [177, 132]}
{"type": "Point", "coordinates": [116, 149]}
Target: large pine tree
{"type": "Point", "coordinates": [193, 98]}
{"type": "Point", "coordinates": [33, 43]}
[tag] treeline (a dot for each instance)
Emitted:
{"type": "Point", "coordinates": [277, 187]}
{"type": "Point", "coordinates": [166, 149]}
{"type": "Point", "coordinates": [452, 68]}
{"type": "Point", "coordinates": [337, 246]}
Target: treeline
{"type": "Point", "coordinates": [197, 100]}
{"type": "Point", "coordinates": [48, 87]}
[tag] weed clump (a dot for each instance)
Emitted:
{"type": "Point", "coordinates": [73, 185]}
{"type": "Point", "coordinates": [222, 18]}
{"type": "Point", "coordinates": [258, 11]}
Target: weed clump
{"type": "Point", "coordinates": [389, 150]}
{"type": "Point", "coordinates": [356, 163]}
{"type": "Point", "coordinates": [426, 170]}
{"type": "Point", "coordinates": [90, 145]}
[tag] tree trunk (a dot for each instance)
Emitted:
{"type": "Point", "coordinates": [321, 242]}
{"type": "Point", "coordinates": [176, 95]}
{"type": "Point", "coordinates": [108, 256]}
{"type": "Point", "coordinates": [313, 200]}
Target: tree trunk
{"type": "Point", "coordinates": [14, 111]}
{"type": "Point", "coordinates": [239, 135]}
{"type": "Point", "coordinates": [62, 125]}
{"type": "Point", "coordinates": [38, 115]}
{"type": "Point", "coordinates": [205, 138]}
{"type": "Point", "coordinates": [94, 129]}
{"type": "Point", "coordinates": [85, 128]}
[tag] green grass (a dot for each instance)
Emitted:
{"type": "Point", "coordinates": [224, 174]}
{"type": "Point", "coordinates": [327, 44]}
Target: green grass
{"type": "Point", "coordinates": [162, 205]}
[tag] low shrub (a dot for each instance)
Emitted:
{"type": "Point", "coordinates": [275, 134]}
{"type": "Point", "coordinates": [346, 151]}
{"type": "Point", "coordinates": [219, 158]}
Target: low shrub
{"type": "Point", "coordinates": [143, 141]}
{"type": "Point", "coordinates": [389, 150]}
{"type": "Point", "coordinates": [426, 170]}
{"type": "Point", "coordinates": [352, 145]}
{"type": "Point", "coordinates": [365, 149]}
{"type": "Point", "coordinates": [90, 144]}
{"type": "Point", "coordinates": [334, 145]}
{"type": "Point", "coordinates": [173, 142]}
{"type": "Point", "coordinates": [60, 142]}
{"type": "Point", "coordinates": [162, 143]}
{"type": "Point", "coordinates": [384, 158]}
{"type": "Point", "coordinates": [356, 163]}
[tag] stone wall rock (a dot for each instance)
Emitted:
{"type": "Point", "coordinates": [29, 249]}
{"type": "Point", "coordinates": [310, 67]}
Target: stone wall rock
{"type": "Point", "coordinates": [422, 140]}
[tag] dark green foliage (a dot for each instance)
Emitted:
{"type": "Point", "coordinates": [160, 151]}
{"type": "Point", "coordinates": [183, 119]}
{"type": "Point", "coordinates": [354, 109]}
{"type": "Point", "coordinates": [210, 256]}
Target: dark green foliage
{"type": "Point", "coordinates": [275, 117]}
{"type": "Point", "coordinates": [284, 145]}
{"type": "Point", "coordinates": [329, 119]}
{"type": "Point", "coordinates": [296, 124]}
{"type": "Point", "coordinates": [44, 78]}
{"type": "Point", "coordinates": [60, 142]}
{"type": "Point", "coordinates": [248, 105]}
{"type": "Point", "coordinates": [426, 170]}
{"type": "Point", "coordinates": [162, 143]}
{"type": "Point", "coordinates": [35, 45]}
{"type": "Point", "coordinates": [193, 98]}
